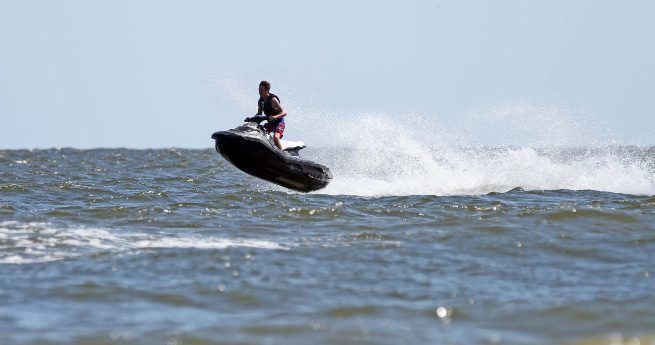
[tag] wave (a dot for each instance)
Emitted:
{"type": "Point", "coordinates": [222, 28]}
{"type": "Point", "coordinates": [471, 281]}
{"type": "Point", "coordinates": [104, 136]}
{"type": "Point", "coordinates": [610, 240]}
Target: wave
{"type": "Point", "coordinates": [23, 243]}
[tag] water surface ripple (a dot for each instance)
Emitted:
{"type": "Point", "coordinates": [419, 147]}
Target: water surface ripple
{"type": "Point", "coordinates": [116, 246]}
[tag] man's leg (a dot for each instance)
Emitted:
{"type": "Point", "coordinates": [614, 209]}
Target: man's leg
{"type": "Point", "coordinates": [279, 130]}
{"type": "Point", "coordinates": [276, 139]}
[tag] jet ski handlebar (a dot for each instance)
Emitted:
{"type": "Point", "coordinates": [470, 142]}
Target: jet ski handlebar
{"type": "Point", "coordinates": [256, 118]}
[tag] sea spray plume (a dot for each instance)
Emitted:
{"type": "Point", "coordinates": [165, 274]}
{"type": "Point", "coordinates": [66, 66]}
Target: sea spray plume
{"type": "Point", "coordinates": [381, 156]}
{"type": "Point", "coordinates": [534, 125]}
{"type": "Point", "coordinates": [498, 170]}
{"type": "Point", "coordinates": [237, 92]}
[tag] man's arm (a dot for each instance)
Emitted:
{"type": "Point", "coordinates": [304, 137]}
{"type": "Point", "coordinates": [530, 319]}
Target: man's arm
{"type": "Point", "coordinates": [277, 105]}
{"type": "Point", "coordinates": [259, 109]}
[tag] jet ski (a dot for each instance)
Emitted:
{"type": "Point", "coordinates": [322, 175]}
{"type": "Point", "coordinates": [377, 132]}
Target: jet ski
{"type": "Point", "coordinates": [251, 149]}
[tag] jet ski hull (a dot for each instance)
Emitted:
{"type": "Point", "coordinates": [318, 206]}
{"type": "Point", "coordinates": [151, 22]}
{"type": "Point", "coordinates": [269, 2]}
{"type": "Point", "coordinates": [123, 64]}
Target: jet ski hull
{"type": "Point", "coordinates": [249, 149]}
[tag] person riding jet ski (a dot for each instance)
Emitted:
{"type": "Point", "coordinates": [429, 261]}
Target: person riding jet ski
{"type": "Point", "coordinates": [270, 105]}
{"type": "Point", "coordinates": [258, 150]}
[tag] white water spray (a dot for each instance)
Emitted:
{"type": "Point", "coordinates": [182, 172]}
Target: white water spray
{"type": "Point", "coordinates": [535, 147]}
{"type": "Point", "coordinates": [381, 157]}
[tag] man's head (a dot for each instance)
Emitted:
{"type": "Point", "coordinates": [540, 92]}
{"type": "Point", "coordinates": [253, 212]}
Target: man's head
{"type": "Point", "coordinates": [264, 87]}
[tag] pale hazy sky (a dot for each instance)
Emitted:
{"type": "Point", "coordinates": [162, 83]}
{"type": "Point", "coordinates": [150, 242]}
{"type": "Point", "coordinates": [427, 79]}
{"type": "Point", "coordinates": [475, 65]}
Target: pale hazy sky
{"type": "Point", "coordinates": [167, 74]}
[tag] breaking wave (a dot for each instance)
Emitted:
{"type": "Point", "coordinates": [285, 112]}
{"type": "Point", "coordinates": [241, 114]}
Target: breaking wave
{"type": "Point", "coordinates": [23, 243]}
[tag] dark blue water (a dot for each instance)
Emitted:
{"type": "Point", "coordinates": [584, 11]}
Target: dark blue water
{"type": "Point", "coordinates": [517, 246]}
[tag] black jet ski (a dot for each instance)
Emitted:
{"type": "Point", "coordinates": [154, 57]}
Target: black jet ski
{"type": "Point", "coordinates": [251, 149]}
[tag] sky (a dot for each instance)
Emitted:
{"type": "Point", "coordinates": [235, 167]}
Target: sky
{"type": "Point", "coordinates": [142, 74]}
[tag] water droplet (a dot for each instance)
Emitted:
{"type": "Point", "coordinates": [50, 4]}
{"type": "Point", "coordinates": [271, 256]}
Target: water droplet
{"type": "Point", "coordinates": [318, 326]}
{"type": "Point", "coordinates": [442, 312]}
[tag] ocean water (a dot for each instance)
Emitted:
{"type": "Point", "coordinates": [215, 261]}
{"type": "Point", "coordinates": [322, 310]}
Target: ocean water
{"type": "Point", "coordinates": [412, 244]}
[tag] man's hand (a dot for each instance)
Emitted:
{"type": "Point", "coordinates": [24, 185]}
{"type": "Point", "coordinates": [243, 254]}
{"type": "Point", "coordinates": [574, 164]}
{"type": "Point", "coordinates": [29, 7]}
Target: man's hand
{"type": "Point", "coordinates": [256, 118]}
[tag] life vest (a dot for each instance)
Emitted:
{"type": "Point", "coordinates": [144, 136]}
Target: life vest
{"type": "Point", "coordinates": [267, 105]}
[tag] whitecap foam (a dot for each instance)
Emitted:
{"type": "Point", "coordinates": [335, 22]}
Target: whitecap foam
{"type": "Point", "coordinates": [34, 242]}
{"type": "Point", "coordinates": [205, 243]}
